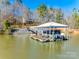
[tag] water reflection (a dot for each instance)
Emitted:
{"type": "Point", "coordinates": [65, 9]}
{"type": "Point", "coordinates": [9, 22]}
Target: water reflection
{"type": "Point", "coordinates": [22, 47]}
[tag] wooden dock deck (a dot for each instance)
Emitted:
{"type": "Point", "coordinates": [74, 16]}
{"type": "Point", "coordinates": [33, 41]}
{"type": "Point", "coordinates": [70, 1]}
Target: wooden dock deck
{"type": "Point", "coordinates": [40, 38]}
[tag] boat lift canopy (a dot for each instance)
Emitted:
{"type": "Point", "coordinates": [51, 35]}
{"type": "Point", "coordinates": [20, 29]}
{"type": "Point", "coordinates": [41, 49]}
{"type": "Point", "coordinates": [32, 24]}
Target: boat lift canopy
{"type": "Point", "coordinates": [52, 25]}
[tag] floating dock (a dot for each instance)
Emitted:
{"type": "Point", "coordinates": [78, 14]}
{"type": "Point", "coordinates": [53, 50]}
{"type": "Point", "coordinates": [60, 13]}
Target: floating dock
{"type": "Point", "coordinates": [41, 39]}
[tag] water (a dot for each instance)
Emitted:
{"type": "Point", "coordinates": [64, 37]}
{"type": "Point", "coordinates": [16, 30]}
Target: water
{"type": "Point", "coordinates": [22, 47]}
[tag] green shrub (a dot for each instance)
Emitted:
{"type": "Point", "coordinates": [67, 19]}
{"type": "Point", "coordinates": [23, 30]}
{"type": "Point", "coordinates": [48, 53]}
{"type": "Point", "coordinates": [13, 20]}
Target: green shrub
{"type": "Point", "coordinates": [6, 24]}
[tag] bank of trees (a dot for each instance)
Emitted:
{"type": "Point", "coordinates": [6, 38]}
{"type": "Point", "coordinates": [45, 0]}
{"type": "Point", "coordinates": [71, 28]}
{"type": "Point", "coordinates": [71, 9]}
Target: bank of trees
{"type": "Point", "coordinates": [75, 16]}
{"type": "Point", "coordinates": [50, 13]}
{"type": "Point", "coordinates": [45, 14]}
{"type": "Point", "coordinates": [73, 19]}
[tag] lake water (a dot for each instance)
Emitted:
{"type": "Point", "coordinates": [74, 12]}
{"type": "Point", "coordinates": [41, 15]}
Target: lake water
{"type": "Point", "coordinates": [22, 47]}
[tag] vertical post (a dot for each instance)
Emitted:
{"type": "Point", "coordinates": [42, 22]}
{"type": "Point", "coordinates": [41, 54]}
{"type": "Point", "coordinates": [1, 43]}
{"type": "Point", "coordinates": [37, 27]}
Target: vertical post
{"type": "Point", "coordinates": [67, 33]}
{"type": "Point", "coordinates": [50, 32]}
{"type": "Point", "coordinates": [53, 34]}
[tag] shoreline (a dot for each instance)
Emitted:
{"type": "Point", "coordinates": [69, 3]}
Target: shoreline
{"type": "Point", "coordinates": [73, 31]}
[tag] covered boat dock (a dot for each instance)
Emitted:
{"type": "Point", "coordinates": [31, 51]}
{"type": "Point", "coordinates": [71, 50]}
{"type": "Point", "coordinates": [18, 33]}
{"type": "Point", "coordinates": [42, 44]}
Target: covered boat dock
{"type": "Point", "coordinates": [49, 30]}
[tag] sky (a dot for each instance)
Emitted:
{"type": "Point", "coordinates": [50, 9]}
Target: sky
{"type": "Point", "coordinates": [65, 5]}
